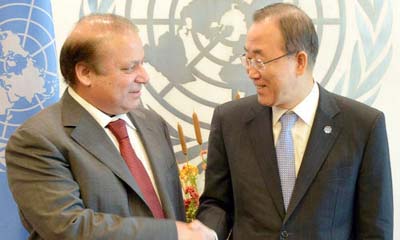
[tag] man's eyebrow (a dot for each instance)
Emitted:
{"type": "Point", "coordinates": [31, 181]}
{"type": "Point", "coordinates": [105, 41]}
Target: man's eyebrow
{"type": "Point", "coordinates": [135, 62]}
{"type": "Point", "coordinates": [256, 51]}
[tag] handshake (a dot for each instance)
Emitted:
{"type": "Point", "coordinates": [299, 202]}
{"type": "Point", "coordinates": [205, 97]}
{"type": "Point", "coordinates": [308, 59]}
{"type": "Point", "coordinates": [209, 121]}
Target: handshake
{"type": "Point", "coordinates": [194, 231]}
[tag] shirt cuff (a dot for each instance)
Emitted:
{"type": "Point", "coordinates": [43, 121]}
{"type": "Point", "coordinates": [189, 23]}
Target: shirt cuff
{"type": "Point", "coordinates": [215, 235]}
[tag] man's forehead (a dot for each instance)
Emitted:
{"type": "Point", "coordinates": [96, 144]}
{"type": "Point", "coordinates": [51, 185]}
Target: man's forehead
{"type": "Point", "coordinates": [263, 36]}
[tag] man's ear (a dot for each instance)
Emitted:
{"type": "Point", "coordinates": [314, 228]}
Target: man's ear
{"type": "Point", "coordinates": [83, 73]}
{"type": "Point", "coordinates": [302, 62]}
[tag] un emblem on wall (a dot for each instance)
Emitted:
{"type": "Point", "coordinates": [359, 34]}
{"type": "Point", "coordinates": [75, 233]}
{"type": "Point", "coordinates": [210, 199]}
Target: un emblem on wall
{"type": "Point", "coordinates": [28, 66]}
{"type": "Point", "coordinates": [192, 49]}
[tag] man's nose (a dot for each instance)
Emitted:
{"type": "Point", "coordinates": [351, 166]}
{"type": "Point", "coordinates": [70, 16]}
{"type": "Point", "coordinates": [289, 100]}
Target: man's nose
{"type": "Point", "coordinates": [252, 72]}
{"type": "Point", "coordinates": [142, 77]}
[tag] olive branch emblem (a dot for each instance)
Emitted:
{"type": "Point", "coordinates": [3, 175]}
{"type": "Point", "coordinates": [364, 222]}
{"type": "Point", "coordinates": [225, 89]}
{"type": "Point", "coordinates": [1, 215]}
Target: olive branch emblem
{"type": "Point", "coordinates": [371, 54]}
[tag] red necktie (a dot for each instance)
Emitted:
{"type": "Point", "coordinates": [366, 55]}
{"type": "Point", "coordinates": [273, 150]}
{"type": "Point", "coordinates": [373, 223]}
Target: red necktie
{"type": "Point", "coordinates": [118, 128]}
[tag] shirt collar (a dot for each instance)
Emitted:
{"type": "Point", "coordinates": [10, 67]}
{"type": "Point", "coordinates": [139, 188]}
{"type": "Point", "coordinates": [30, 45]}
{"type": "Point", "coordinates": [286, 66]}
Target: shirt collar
{"type": "Point", "coordinates": [124, 117]}
{"type": "Point", "coordinates": [305, 110]}
{"type": "Point", "coordinates": [101, 118]}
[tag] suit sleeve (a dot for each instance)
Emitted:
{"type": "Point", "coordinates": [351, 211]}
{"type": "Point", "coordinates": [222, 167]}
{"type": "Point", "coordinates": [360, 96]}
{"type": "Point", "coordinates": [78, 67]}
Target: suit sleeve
{"type": "Point", "coordinates": [49, 200]}
{"type": "Point", "coordinates": [216, 202]}
{"type": "Point", "coordinates": [374, 200]}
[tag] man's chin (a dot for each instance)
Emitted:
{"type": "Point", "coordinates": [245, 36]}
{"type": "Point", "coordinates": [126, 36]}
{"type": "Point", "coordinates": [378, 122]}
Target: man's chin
{"type": "Point", "coordinates": [132, 106]}
{"type": "Point", "coordinates": [264, 101]}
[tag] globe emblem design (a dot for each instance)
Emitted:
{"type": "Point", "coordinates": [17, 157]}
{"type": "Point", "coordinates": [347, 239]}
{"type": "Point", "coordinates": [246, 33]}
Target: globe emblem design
{"type": "Point", "coordinates": [195, 50]}
{"type": "Point", "coordinates": [28, 66]}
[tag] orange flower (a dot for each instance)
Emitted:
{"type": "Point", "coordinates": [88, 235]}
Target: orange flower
{"type": "Point", "coordinates": [188, 175]}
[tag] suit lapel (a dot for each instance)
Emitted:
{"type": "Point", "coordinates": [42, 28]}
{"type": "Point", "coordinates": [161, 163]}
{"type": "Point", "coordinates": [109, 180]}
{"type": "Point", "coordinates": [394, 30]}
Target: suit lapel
{"type": "Point", "coordinates": [90, 135]}
{"type": "Point", "coordinates": [259, 122]}
{"type": "Point", "coordinates": [319, 145]}
{"type": "Point", "coordinates": [151, 139]}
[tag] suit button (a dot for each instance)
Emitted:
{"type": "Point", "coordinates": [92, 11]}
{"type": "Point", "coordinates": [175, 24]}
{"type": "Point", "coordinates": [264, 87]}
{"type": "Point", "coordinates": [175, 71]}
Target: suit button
{"type": "Point", "coordinates": [284, 235]}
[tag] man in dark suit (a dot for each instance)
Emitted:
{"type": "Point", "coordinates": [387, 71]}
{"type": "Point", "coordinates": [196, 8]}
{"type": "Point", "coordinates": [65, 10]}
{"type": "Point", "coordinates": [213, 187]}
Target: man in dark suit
{"type": "Point", "coordinates": [327, 176]}
{"type": "Point", "coordinates": [72, 173]}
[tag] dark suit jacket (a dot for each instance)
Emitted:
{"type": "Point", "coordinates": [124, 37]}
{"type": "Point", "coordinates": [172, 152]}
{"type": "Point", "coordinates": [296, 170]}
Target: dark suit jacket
{"type": "Point", "coordinates": [343, 189]}
{"type": "Point", "coordinates": [70, 181]}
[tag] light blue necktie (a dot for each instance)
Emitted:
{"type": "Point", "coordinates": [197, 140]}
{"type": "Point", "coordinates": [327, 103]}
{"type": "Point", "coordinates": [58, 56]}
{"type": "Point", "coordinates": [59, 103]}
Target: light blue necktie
{"type": "Point", "coordinates": [285, 156]}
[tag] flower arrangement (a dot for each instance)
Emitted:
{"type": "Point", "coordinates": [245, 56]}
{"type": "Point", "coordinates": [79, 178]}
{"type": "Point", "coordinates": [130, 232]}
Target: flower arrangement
{"type": "Point", "coordinates": [188, 178]}
{"type": "Point", "coordinates": [189, 173]}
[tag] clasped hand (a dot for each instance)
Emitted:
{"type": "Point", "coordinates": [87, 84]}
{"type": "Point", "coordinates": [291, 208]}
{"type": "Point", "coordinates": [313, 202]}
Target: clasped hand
{"type": "Point", "coordinates": [194, 231]}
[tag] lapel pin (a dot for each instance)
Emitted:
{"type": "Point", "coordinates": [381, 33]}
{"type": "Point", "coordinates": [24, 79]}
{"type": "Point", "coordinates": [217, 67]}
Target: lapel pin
{"type": "Point", "coordinates": [328, 129]}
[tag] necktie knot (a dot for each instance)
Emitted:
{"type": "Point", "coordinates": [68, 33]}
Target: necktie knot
{"type": "Point", "coordinates": [118, 128]}
{"type": "Point", "coordinates": [288, 120]}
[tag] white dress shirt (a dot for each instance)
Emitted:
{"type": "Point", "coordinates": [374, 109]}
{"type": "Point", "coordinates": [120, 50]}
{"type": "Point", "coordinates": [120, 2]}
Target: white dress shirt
{"type": "Point", "coordinates": [103, 119]}
{"type": "Point", "coordinates": [305, 111]}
